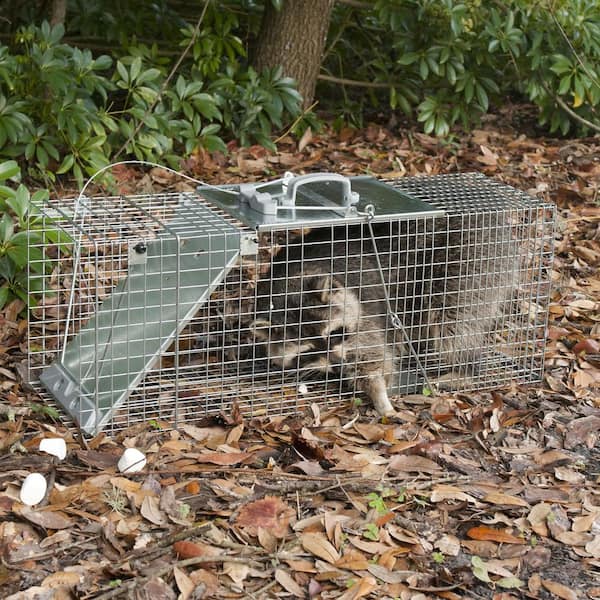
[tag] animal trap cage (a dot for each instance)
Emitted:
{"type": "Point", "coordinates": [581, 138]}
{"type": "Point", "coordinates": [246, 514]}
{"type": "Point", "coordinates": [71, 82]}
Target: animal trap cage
{"type": "Point", "coordinates": [316, 288]}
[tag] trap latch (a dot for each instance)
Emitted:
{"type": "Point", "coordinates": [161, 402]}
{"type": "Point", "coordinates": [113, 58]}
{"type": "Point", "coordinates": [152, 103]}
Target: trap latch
{"type": "Point", "coordinates": [269, 204]}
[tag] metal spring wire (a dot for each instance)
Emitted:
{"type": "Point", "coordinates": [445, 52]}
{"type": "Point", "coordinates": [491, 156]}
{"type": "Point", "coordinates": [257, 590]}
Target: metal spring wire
{"type": "Point", "coordinates": [397, 324]}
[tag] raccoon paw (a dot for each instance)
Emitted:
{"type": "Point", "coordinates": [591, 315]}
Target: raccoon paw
{"type": "Point", "coordinates": [376, 389]}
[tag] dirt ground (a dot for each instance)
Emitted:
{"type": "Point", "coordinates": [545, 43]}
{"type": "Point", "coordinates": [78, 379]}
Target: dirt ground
{"type": "Point", "coordinates": [489, 494]}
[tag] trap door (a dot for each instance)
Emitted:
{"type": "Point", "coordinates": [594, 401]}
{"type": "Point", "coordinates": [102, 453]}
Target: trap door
{"type": "Point", "coordinates": [169, 278]}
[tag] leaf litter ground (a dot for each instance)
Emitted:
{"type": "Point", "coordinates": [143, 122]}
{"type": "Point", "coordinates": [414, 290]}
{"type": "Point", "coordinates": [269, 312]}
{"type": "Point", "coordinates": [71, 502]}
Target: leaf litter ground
{"type": "Point", "coordinates": [489, 494]}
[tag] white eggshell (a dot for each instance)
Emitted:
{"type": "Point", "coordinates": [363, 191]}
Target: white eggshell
{"type": "Point", "coordinates": [303, 389]}
{"type": "Point", "coordinates": [131, 461]}
{"type": "Point", "coordinates": [55, 446]}
{"type": "Point", "coordinates": [33, 489]}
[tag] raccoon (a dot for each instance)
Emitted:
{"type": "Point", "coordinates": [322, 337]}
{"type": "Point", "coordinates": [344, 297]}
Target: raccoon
{"type": "Point", "coordinates": [322, 308]}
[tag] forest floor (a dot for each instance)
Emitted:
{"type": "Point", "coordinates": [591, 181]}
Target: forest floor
{"type": "Point", "coordinates": [487, 494]}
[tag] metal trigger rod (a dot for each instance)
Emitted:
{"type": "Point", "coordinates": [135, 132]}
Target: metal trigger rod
{"type": "Point", "coordinates": [394, 317]}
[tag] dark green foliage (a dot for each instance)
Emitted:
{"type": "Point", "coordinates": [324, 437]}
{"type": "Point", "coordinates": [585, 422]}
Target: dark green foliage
{"type": "Point", "coordinates": [68, 109]}
{"type": "Point", "coordinates": [446, 61]}
{"type": "Point", "coordinates": [65, 110]}
{"type": "Point", "coordinates": [20, 253]}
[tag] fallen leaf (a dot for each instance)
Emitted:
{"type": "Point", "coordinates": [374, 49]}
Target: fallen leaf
{"type": "Point", "coordinates": [586, 522]}
{"type": "Point", "coordinates": [48, 519]}
{"type": "Point", "coordinates": [593, 547]}
{"type": "Point", "coordinates": [309, 467]}
{"type": "Point", "coordinates": [287, 582]}
{"type": "Point", "coordinates": [222, 458]}
{"type": "Point", "coordinates": [267, 540]}
{"type": "Point", "coordinates": [360, 589]}
{"type": "Point", "coordinates": [441, 493]}
{"type": "Point", "coordinates": [184, 583]}
{"type": "Point", "coordinates": [559, 589]}
{"type": "Point", "coordinates": [353, 560]}
{"type": "Point", "coordinates": [553, 458]}
{"type": "Point", "coordinates": [186, 549]}
{"type": "Point", "coordinates": [504, 499]}
{"type": "Point", "coordinates": [236, 571]}
{"type": "Point", "coordinates": [574, 538]}
{"type": "Point", "coordinates": [413, 464]}
{"type": "Point", "coordinates": [62, 579]}
{"type": "Point", "coordinates": [270, 513]}
{"type": "Point", "coordinates": [305, 139]}
{"type": "Point", "coordinates": [484, 533]}
{"type": "Point", "coordinates": [388, 576]}
{"type": "Point", "coordinates": [587, 346]}
{"type": "Point", "coordinates": [316, 544]}
{"type": "Point", "coordinates": [157, 587]}
{"type": "Point", "coordinates": [448, 544]}
{"type": "Point", "coordinates": [193, 488]}
{"type": "Point", "coordinates": [558, 520]}
{"type": "Point", "coordinates": [36, 592]}
{"type": "Point", "coordinates": [568, 475]}
{"type": "Point", "coordinates": [583, 431]}
{"type": "Point", "coordinates": [150, 511]}
{"type": "Point", "coordinates": [537, 517]}
{"type": "Point", "coordinates": [509, 582]}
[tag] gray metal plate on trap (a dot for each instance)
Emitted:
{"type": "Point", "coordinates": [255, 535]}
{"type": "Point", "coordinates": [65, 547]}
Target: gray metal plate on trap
{"type": "Point", "coordinates": [387, 201]}
{"type": "Point", "coordinates": [141, 318]}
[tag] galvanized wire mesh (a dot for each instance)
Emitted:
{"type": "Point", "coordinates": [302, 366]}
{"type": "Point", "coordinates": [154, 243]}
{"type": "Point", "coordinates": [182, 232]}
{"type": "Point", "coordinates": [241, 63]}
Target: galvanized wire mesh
{"type": "Point", "coordinates": [300, 319]}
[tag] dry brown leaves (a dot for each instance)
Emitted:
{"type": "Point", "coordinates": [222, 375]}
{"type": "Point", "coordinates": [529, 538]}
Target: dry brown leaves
{"type": "Point", "coordinates": [485, 495]}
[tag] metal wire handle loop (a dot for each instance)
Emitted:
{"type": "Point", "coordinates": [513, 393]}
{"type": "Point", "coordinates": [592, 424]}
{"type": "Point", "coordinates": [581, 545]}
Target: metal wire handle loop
{"type": "Point", "coordinates": [394, 317]}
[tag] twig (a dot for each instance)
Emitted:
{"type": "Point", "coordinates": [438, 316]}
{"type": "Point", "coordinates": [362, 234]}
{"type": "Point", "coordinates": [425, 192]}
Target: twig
{"type": "Point", "coordinates": [570, 44]}
{"type": "Point", "coordinates": [262, 590]}
{"type": "Point", "coordinates": [569, 110]}
{"type": "Point", "coordinates": [166, 81]}
{"type": "Point", "coordinates": [10, 410]}
{"type": "Point", "coordinates": [130, 584]}
{"type": "Point", "coordinates": [48, 554]}
{"type": "Point", "coordinates": [296, 121]}
{"type": "Point", "coordinates": [163, 543]}
{"type": "Point", "coordinates": [357, 4]}
{"type": "Point", "coordinates": [355, 82]}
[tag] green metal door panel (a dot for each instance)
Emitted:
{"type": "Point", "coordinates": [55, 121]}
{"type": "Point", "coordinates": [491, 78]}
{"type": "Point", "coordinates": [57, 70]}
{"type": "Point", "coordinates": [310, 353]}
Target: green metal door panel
{"type": "Point", "coordinates": [112, 353]}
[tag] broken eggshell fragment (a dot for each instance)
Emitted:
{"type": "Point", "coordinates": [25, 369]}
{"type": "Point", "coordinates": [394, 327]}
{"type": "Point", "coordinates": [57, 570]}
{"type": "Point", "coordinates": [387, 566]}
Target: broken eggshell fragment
{"type": "Point", "coordinates": [131, 461]}
{"type": "Point", "coordinates": [55, 446]}
{"type": "Point", "coordinates": [33, 489]}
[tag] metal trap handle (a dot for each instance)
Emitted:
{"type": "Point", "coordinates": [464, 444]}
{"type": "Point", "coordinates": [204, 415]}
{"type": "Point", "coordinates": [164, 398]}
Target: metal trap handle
{"type": "Point", "coordinates": [268, 203]}
{"type": "Point", "coordinates": [291, 185]}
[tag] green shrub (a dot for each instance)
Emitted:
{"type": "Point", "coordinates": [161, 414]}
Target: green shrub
{"type": "Point", "coordinates": [441, 62]}
{"type": "Point", "coordinates": [447, 60]}
{"type": "Point", "coordinates": [20, 253]}
{"type": "Point", "coordinates": [67, 111]}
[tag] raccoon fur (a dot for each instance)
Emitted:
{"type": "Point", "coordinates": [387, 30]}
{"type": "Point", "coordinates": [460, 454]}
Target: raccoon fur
{"type": "Point", "coordinates": [321, 308]}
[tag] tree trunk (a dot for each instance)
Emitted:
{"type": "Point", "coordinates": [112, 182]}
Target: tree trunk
{"type": "Point", "coordinates": [59, 12]}
{"type": "Point", "coordinates": [294, 37]}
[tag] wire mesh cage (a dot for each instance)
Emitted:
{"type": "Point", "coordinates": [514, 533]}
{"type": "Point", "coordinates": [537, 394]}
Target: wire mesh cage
{"type": "Point", "coordinates": [175, 306]}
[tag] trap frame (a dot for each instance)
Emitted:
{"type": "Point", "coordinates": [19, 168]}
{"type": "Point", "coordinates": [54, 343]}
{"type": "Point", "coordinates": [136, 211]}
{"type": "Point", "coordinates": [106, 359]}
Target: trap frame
{"type": "Point", "coordinates": [151, 306]}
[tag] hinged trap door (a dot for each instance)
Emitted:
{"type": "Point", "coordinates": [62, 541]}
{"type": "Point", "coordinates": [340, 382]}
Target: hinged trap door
{"type": "Point", "coordinates": [169, 278]}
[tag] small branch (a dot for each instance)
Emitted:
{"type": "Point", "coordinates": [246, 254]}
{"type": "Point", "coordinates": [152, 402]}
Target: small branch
{"type": "Point", "coordinates": [129, 585]}
{"type": "Point", "coordinates": [355, 82]}
{"type": "Point", "coordinates": [575, 53]}
{"type": "Point", "coordinates": [357, 4]}
{"type": "Point", "coordinates": [296, 121]}
{"type": "Point", "coordinates": [166, 81]}
{"type": "Point", "coordinates": [594, 126]}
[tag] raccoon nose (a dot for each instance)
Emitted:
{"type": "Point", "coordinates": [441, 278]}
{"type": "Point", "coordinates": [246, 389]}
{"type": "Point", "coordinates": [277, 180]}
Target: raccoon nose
{"type": "Point", "coordinates": [337, 335]}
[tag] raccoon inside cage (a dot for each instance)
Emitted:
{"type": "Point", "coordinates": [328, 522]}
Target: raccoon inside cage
{"type": "Point", "coordinates": [313, 288]}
